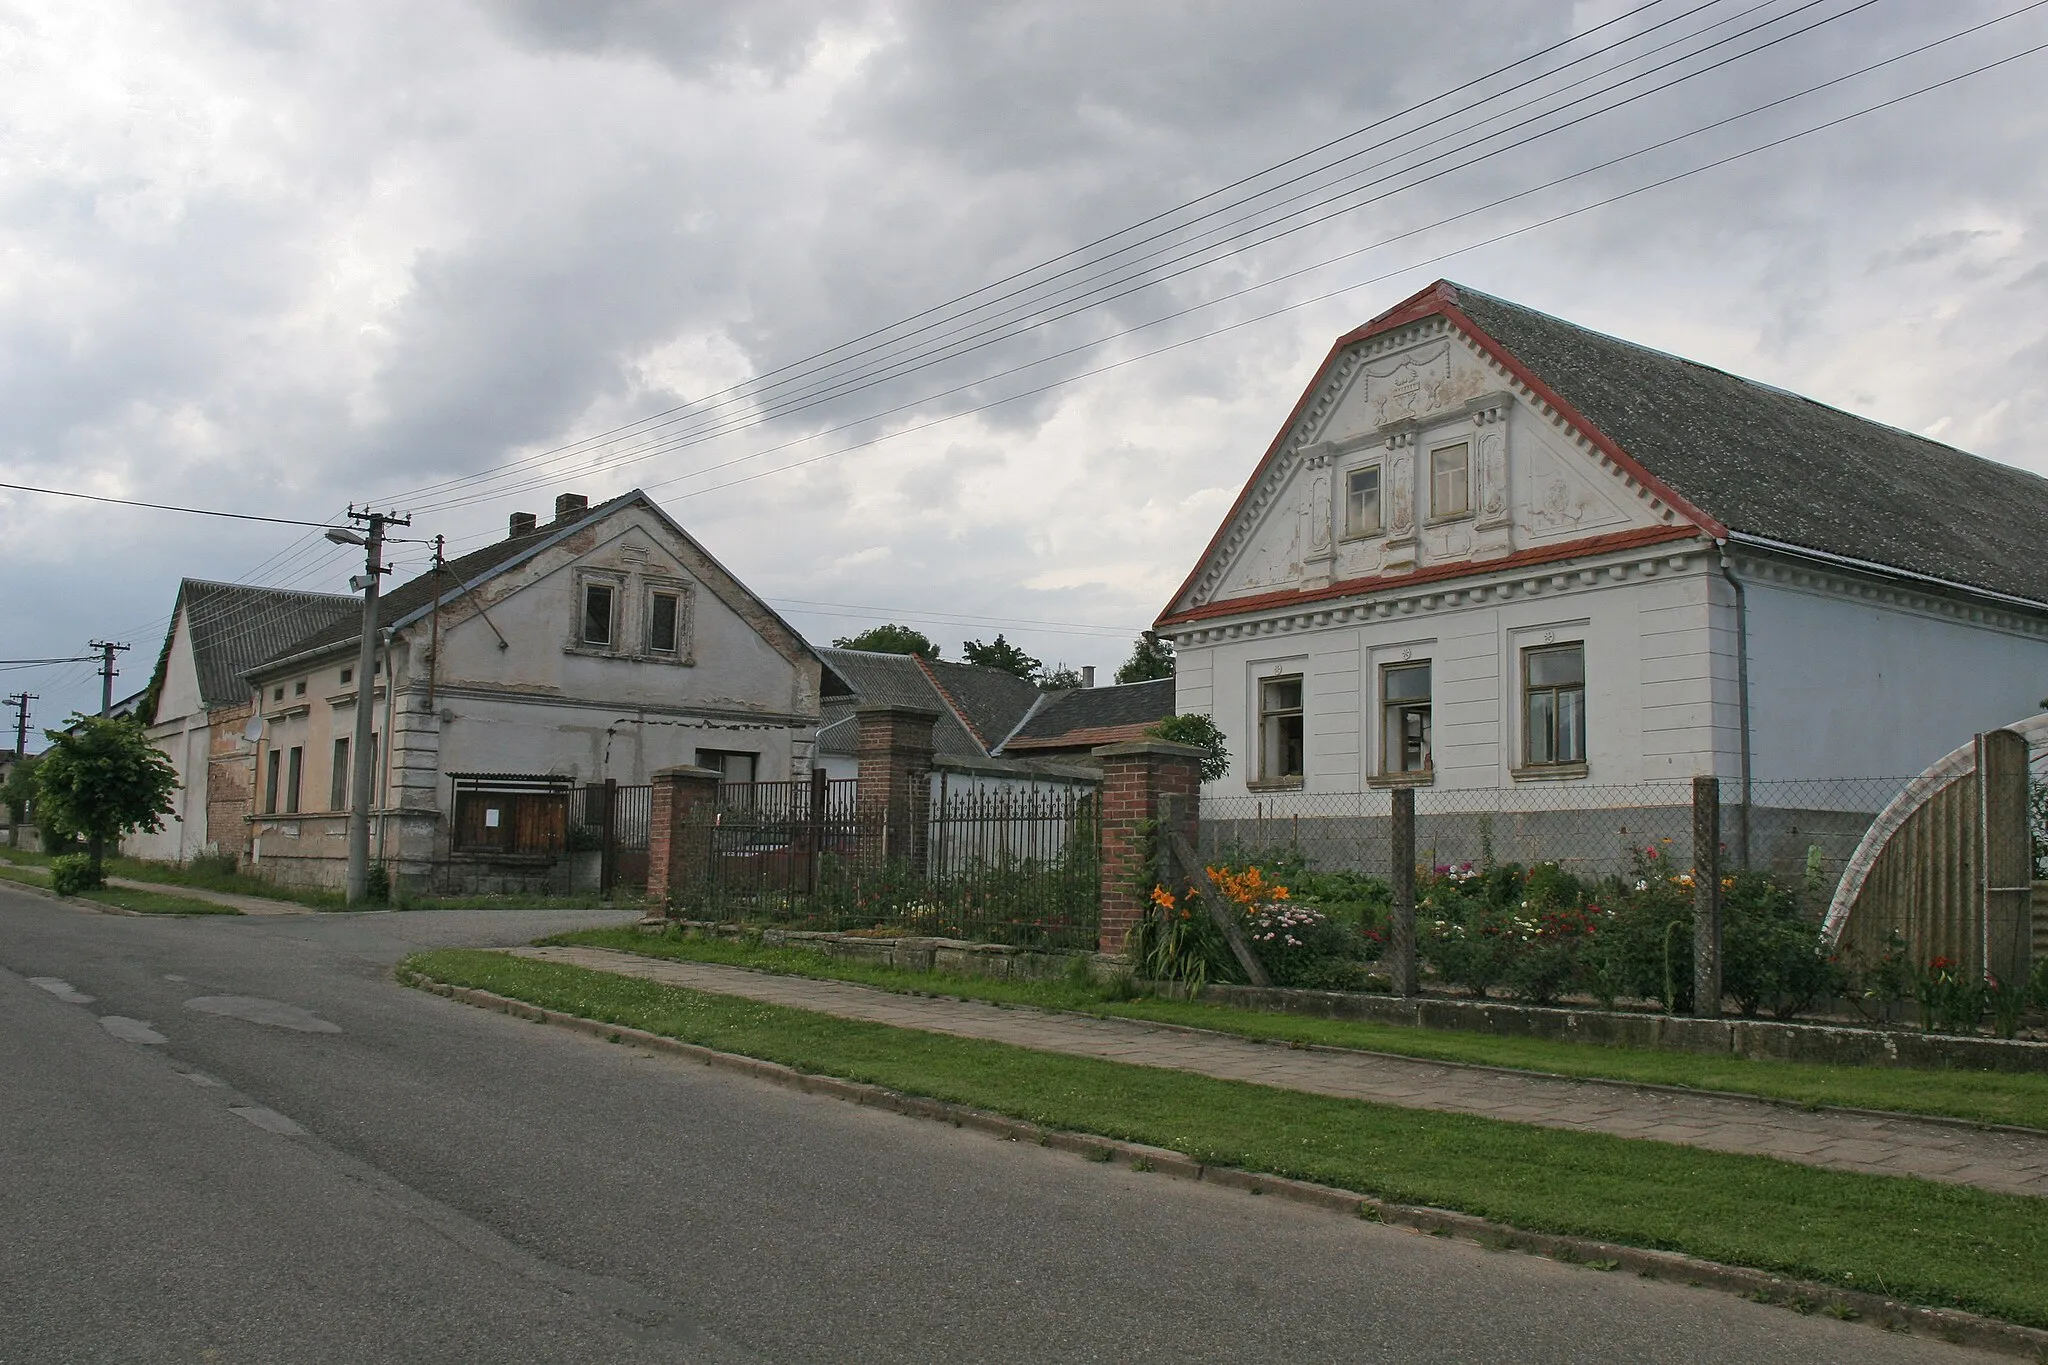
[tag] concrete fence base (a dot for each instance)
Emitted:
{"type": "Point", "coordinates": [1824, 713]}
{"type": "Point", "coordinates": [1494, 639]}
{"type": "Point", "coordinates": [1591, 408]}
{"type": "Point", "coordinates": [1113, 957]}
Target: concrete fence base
{"type": "Point", "coordinates": [1766, 1039]}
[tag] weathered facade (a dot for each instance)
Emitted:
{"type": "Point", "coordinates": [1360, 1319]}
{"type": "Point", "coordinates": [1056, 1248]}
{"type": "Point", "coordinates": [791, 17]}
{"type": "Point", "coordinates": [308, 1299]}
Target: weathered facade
{"type": "Point", "coordinates": [1492, 548]}
{"type": "Point", "coordinates": [604, 644]}
{"type": "Point", "coordinates": [198, 705]}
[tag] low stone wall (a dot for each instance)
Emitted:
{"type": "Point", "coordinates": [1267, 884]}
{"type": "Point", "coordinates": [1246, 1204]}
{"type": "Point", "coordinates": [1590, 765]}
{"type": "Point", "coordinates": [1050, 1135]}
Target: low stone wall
{"type": "Point", "coordinates": [1749, 1038]}
{"type": "Point", "coordinates": [919, 954]}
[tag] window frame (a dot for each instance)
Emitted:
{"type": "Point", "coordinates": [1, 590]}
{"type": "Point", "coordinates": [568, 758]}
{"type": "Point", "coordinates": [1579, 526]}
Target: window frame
{"type": "Point", "coordinates": [1273, 725]}
{"type": "Point", "coordinates": [341, 779]}
{"type": "Point", "coordinates": [1551, 727]}
{"type": "Point", "coordinates": [656, 595]}
{"type": "Point", "coordinates": [295, 779]}
{"type": "Point", "coordinates": [584, 588]}
{"type": "Point", "coordinates": [1403, 707]}
{"type": "Point", "coordinates": [1352, 530]}
{"type": "Point", "coordinates": [273, 769]}
{"type": "Point", "coordinates": [1436, 511]}
{"type": "Point", "coordinates": [753, 757]}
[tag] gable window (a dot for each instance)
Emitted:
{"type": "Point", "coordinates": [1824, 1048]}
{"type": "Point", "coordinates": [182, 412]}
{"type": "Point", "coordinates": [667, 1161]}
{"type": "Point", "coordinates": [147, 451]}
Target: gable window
{"type": "Point", "coordinates": [277, 695]}
{"type": "Point", "coordinates": [1554, 705]}
{"type": "Point", "coordinates": [338, 788]}
{"type": "Point", "coordinates": [1404, 694]}
{"type": "Point", "coordinates": [299, 688]}
{"type": "Point", "coordinates": [664, 615]}
{"type": "Point", "coordinates": [270, 776]}
{"type": "Point", "coordinates": [1282, 749]}
{"type": "Point", "coordinates": [1450, 481]}
{"type": "Point", "coordinates": [348, 675]}
{"type": "Point", "coordinates": [598, 608]}
{"type": "Point", "coordinates": [1362, 501]}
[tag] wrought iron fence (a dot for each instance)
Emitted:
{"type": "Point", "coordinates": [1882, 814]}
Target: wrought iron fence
{"type": "Point", "coordinates": [606, 846]}
{"type": "Point", "coordinates": [1803, 830]}
{"type": "Point", "coordinates": [995, 862]}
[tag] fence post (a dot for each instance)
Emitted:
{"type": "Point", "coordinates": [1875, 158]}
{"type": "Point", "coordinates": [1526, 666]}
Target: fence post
{"type": "Point", "coordinates": [817, 828]}
{"type": "Point", "coordinates": [1401, 952]}
{"type": "Point", "coordinates": [894, 747]}
{"type": "Point", "coordinates": [1138, 778]}
{"type": "Point", "coordinates": [608, 860]}
{"type": "Point", "coordinates": [675, 860]}
{"type": "Point", "coordinates": [1706, 898]}
{"type": "Point", "coordinates": [2006, 861]}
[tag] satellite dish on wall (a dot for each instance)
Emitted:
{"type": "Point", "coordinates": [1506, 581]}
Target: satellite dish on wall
{"type": "Point", "coordinates": [253, 731]}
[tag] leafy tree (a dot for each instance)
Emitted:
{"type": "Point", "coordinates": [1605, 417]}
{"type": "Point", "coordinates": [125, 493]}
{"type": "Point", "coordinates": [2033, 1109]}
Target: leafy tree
{"type": "Point", "coordinates": [1151, 658]}
{"type": "Point", "coordinates": [102, 779]}
{"type": "Point", "coordinates": [890, 639]}
{"type": "Point", "coordinates": [1004, 655]}
{"type": "Point", "coordinates": [19, 789]}
{"type": "Point", "coordinates": [1059, 678]}
{"type": "Point", "coordinates": [1201, 732]}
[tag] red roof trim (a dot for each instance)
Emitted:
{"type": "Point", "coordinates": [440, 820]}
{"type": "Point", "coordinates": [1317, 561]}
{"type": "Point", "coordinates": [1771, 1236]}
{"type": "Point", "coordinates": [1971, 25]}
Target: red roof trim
{"type": "Point", "coordinates": [1576, 419]}
{"type": "Point", "coordinates": [1092, 735]}
{"type": "Point", "coordinates": [1437, 573]}
{"type": "Point", "coordinates": [1434, 299]}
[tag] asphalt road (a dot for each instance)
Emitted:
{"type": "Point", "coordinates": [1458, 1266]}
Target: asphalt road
{"type": "Point", "coordinates": [317, 1164]}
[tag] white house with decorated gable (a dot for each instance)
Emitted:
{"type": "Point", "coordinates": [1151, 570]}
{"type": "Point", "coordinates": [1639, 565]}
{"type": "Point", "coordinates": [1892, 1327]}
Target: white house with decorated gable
{"type": "Point", "coordinates": [1491, 548]}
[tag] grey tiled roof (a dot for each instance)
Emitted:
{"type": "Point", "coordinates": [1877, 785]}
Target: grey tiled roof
{"type": "Point", "coordinates": [235, 627]}
{"type": "Point", "coordinates": [417, 593]}
{"type": "Point", "coordinates": [968, 698]}
{"type": "Point", "coordinates": [1083, 715]}
{"type": "Point", "coordinates": [1778, 466]}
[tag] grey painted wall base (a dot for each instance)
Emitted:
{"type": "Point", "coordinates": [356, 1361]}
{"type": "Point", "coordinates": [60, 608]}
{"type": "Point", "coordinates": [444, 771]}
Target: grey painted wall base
{"type": "Point", "coordinates": [1749, 1038]}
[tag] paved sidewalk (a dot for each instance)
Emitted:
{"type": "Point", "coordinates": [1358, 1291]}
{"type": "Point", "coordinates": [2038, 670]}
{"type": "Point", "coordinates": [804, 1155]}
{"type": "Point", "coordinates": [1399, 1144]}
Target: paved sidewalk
{"type": "Point", "coordinates": [2009, 1163]}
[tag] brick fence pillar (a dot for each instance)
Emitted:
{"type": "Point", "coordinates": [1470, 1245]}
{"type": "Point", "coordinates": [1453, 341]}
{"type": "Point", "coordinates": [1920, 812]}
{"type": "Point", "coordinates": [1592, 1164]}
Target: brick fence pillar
{"type": "Point", "coordinates": [673, 858]}
{"type": "Point", "coordinates": [894, 747]}
{"type": "Point", "coordinates": [1135, 776]}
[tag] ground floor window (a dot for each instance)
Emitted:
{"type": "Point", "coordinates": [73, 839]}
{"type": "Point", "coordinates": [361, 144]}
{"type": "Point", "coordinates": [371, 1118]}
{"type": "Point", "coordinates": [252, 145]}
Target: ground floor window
{"type": "Point", "coordinates": [1405, 734]}
{"type": "Point", "coordinates": [736, 765]}
{"type": "Point", "coordinates": [1282, 746]}
{"type": "Point", "coordinates": [1554, 705]}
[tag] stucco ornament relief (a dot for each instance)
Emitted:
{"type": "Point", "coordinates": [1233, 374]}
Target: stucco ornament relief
{"type": "Point", "coordinates": [1402, 479]}
{"type": "Point", "coordinates": [1493, 475]}
{"type": "Point", "coordinates": [1316, 509]}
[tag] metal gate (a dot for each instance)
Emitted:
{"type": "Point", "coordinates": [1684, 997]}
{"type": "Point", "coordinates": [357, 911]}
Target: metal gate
{"type": "Point", "coordinates": [612, 822]}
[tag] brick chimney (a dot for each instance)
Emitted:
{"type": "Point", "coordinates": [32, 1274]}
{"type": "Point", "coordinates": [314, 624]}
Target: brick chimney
{"type": "Point", "coordinates": [570, 505]}
{"type": "Point", "coordinates": [523, 522]}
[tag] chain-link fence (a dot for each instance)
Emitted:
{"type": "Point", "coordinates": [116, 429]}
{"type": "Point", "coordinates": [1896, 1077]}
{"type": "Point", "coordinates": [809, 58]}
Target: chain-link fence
{"type": "Point", "coordinates": [1803, 830]}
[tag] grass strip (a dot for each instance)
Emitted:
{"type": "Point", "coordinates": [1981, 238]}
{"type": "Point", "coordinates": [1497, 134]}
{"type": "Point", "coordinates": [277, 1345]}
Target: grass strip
{"type": "Point", "coordinates": [1979, 1096]}
{"type": "Point", "coordinates": [1941, 1245]}
{"type": "Point", "coordinates": [124, 898]}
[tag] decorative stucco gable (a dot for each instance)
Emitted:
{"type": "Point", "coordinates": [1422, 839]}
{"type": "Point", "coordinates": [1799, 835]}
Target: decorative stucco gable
{"type": "Point", "coordinates": [1419, 448]}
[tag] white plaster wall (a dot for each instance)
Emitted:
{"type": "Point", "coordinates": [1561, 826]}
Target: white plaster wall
{"type": "Point", "coordinates": [492, 736]}
{"type": "Point", "coordinates": [1845, 686]}
{"type": "Point", "coordinates": [1660, 682]}
{"type": "Point", "coordinates": [180, 732]}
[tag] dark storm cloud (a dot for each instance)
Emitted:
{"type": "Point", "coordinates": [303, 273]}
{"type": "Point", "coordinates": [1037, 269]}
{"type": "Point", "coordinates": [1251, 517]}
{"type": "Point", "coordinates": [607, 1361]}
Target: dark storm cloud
{"type": "Point", "coordinates": [278, 258]}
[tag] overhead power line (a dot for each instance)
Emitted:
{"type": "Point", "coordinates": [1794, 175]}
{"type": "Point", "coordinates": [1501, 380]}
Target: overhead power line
{"type": "Point", "coordinates": [161, 506]}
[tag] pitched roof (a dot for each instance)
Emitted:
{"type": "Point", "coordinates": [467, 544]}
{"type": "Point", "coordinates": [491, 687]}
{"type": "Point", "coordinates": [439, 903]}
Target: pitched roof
{"type": "Point", "coordinates": [1089, 716]}
{"type": "Point", "coordinates": [977, 706]}
{"type": "Point", "coordinates": [1772, 464]}
{"type": "Point", "coordinates": [411, 600]}
{"type": "Point", "coordinates": [1737, 457]}
{"type": "Point", "coordinates": [417, 594]}
{"type": "Point", "coordinates": [235, 627]}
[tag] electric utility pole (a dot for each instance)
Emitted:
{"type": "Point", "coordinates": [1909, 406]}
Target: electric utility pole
{"type": "Point", "coordinates": [108, 672]}
{"type": "Point", "coordinates": [19, 701]}
{"type": "Point", "coordinates": [362, 786]}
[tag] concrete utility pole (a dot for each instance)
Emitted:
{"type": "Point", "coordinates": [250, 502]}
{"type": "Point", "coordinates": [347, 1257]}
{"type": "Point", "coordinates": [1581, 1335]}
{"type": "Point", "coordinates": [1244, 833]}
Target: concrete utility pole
{"type": "Point", "coordinates": [362, 785]}
{"type": "Point", "coordinates": [108, 673]}
{"type": "Point", "coordinates": [19, 701]}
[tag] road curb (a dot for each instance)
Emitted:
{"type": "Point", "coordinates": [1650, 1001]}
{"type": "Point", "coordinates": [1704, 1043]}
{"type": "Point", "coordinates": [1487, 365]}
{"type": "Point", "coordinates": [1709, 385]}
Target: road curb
{"type": "Point", "coordinates": [1803, 1296]}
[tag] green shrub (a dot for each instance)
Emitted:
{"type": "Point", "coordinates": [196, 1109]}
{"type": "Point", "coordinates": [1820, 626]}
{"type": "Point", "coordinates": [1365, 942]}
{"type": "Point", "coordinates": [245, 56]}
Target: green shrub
{"type": "Point", "coordinates": [73, 873]}
{"type": "Point", "coordinates": [216, 865]}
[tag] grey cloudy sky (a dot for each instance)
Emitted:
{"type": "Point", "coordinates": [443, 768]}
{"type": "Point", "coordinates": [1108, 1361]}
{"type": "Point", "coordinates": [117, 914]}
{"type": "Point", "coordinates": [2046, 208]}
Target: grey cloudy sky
{"type": "Point", "coordinates": [275, 257]}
